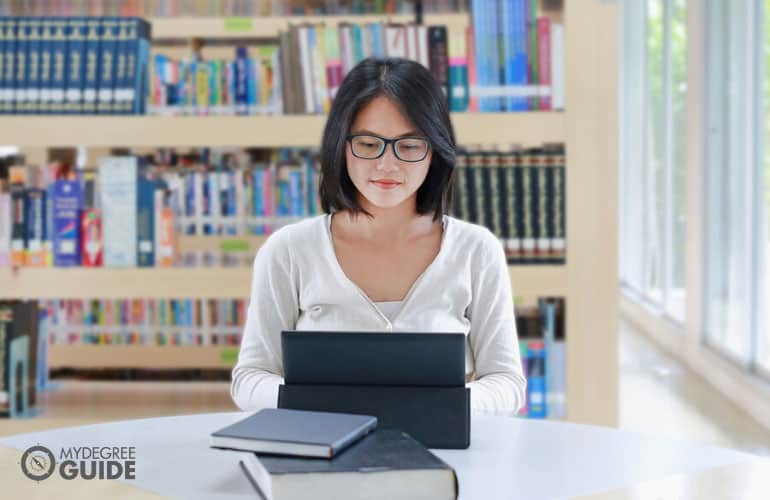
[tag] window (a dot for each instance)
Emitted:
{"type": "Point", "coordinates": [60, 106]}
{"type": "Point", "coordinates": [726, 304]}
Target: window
{"type": "Point", "coordinates": [653, 202]}
{"type": "Point", "coordinates": [735, 309]}
{"type": "Point", "coordinates": [764, 205]}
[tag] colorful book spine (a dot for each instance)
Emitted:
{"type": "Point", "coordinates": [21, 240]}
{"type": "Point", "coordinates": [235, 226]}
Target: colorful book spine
{"type": "Point", "coordinates": [67, 202]}
{"type": "Point", "coordinates": [458, 72]}
{"type": "Point", "coordinates": [536, 382]}
{"type": "Point", "coordinates": [91, 238]}
{"type": "Point", "coordinates": [34, 206]}
{"type": "Point", "coordinates": [524, 352]}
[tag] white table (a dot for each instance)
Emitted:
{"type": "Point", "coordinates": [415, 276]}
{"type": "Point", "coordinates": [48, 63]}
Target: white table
{"type": "Point", "coordinates": [508, 458]}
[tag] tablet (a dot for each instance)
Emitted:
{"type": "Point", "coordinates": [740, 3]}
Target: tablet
{"type": "Point", "coordinates": [373, 358]}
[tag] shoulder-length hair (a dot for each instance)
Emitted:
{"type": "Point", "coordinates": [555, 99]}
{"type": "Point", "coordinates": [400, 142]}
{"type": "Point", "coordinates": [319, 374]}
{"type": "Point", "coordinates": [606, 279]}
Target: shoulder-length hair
{"type": "Point", "coordinates": [414, 90]}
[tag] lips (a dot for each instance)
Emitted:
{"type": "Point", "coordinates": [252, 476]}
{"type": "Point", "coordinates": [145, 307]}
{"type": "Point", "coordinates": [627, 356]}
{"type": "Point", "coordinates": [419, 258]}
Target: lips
{"type": "Point", "coordinates": [385, 183]}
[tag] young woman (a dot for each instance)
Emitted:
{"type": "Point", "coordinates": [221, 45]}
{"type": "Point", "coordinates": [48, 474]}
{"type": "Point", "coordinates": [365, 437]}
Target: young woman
{"type": "Point", "coordinates": [385, 257]}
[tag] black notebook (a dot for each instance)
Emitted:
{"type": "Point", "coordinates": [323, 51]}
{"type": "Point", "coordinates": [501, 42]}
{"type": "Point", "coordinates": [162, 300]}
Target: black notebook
{"type": "Point", "coordinates": [387, 463]}
{"type": "Point", "coordinates": [294, 432]}
{"type": "Point", "coordinates": [366, 358]}
{"type": "Point", "coordinates": [438, 417]}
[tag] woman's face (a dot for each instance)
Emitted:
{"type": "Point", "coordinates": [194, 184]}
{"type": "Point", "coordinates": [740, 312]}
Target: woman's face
{"type": "Point", "coordinates": [385, 182]}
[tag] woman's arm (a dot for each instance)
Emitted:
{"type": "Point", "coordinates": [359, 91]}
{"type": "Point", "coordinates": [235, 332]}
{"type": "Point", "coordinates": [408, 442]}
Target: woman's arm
{"type": "Point", "coordinates": [273, 307]}
{"type": "Point", "coordinates": [500, 386]}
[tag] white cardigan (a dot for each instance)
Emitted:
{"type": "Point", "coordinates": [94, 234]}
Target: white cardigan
{"type": "Point", "coordinates": [298, 284]}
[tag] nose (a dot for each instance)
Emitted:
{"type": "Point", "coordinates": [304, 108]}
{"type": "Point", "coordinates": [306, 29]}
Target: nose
{"type": "Point", "coordinates": [388, 161]}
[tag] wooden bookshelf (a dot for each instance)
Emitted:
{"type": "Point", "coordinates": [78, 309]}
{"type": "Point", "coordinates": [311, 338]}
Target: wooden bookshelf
{"type": "Point", "coordinates": [589, 128]}
{"type": "Point", "coordinates": [256, 131]}
{"type": "Point", "coordinates": [149, 357]}
{"type": "Point", "coordinates": [166, 29]}
{"type": "Point", "coordinates": [199, 282]}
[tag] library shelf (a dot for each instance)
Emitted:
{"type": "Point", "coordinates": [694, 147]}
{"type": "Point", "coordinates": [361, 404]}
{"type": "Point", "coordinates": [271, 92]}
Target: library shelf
{"type": "Point", "coordinates": [269, 27]}
{"type": "Point", "coordinates": [151, 357]}
{"type": "Point", "coordinates": [501, 129]}
{"type": "Point", "coordinates": [200, 282]}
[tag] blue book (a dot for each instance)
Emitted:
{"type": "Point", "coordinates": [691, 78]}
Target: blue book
{"type": "Point", "coordinates": [241, 81]}
{"type": "Point", "coordinates": [67, 202]}
{"type": "Point", "coordinates": [520, 63]}
{"type": "Point", "coordinates": [58, 34]}
{"type": "Point", "coordinates": [46, 66]}
{"type": "Point", "coordinates": [7, 64]}
{"type": "Point", "coordinates": [252, 96]}
{"type": "Point", "coordinates": [296, 193]}
{"type": "Point", "coordinates": [145, 222]}
{"type": "Point", "coordinates": [189, 202]}
{"type": "Point", "coordinates": [20, 78]}
{"type": "Point", "coordinates": [77, 31]}
{"type": "Point", "coordinates": [92, 62]}
{"type": "Point", "coordinates": [34, 64]}
{"type": "Point", "coordinates": [536, 384]}
{"type": "Point", "coordinates": [133, 85]}
{"type": "Point", "coordinates": [259, 191]}
{"type": "Point", "coordinates": [294, 432]}
{"type": "Point", "coordinates": [109, 36]}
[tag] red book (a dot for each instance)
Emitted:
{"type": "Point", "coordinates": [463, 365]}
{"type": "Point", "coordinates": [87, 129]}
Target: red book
{"type": "Point", "coordinates": [91, 239]}
{"type": "Point", "coordinates": [544, 59]}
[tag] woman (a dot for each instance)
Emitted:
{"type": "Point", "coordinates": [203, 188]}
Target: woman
{"type": "Point", "coordinates": [385, 257]}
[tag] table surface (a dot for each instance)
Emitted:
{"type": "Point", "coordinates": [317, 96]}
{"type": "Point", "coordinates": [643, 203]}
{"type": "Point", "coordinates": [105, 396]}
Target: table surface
{"type": "Point", "coordinates": [508, 458]}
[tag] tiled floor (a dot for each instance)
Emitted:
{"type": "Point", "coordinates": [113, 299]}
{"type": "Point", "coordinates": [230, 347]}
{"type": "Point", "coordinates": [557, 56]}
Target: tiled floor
{"type": "Point", "coordinates": [657, 395]}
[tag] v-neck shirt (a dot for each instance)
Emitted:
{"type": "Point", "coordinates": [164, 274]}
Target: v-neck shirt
{"type": "Point", "coordinates": [298, 284]}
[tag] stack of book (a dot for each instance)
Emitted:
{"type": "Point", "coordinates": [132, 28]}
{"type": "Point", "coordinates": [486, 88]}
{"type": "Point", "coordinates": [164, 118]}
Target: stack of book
{"type": "Point", "coordinates": [289, 454]}
{"type": "Point", "coordinates": [78, 65]}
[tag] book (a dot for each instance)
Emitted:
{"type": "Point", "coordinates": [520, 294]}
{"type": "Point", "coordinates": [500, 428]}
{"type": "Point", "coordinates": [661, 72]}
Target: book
{"type": "Point", "coordinates": [438, 417]}
{"type": "Point", "coordinates": [118, 182]}
{"type": "Point", "coordinates": [67, 202]}
{"type": "Point", "coordinates": [294, 432]}
{"type": "Point", "coordinates": [385, 464]}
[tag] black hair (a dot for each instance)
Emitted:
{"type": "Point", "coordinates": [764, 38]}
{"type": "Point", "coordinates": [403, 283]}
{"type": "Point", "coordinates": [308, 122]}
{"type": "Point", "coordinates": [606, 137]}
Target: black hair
{"type": "Point", "coordinates": [413, 89]}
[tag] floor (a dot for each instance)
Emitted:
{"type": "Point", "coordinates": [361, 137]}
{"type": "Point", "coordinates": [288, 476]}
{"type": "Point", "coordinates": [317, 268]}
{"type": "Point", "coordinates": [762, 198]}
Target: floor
{"type": "Point", "coordinates": [657, 396]}
{"type": "Point", "coordinates": [660, 396]}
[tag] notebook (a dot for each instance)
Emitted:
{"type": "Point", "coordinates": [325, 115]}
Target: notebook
{"type": "Point", "coordinates": [294, 432]}
{"type": "Point", "coordinates": [387, 463]}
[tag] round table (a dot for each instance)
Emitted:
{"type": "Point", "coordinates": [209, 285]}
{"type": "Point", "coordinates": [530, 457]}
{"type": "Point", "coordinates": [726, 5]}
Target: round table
{"type": "Point", "coordinates": [508, 457]}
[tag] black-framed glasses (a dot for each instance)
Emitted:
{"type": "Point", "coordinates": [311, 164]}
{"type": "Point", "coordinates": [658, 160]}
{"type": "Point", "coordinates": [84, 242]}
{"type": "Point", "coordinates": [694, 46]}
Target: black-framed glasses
{"type": "Point", "coordinates": [371, 147]}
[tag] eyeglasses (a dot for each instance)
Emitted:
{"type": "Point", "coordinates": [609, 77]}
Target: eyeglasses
{"type": "Point", "coordinates": [371, 147]}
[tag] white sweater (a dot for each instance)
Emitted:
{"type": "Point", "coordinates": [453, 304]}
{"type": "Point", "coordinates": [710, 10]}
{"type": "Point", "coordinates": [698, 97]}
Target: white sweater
{"type": "Point", "coordinates": [298, 284]}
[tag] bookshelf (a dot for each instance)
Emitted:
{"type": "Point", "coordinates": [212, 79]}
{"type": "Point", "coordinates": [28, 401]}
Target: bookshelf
{"type": "Point", "coordinates": [588, 128]}
{"type": "Point", "coordinates": [254, 130]}
{"type": "Point", "coordinates": [170, 29]}
{"type": "Point", "coordinates": [198, 282]}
